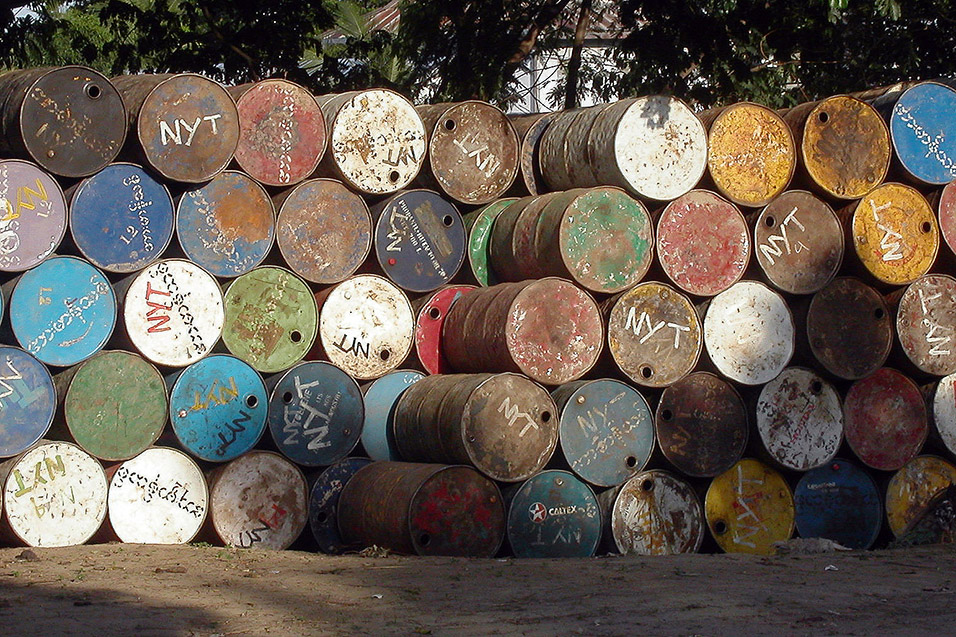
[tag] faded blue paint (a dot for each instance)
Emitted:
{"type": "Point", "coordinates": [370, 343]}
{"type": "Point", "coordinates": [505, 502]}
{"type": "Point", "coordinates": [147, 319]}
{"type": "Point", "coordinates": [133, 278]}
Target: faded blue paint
{"type": "Point", "coordinates": [838, 501]}
{"type": "Point", "coordinates": [923, 130]}
{"type": "Point", "coordinates": [324, 502]}
{"type": "Point", "coordinates": [380, 398]}
{"type": "Point", "coordinates": [27, 401]}
{"type": "Point", "coordinates": [218, 408]}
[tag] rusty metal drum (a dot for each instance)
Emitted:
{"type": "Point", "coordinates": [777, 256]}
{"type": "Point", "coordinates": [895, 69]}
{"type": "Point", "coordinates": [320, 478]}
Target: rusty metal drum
{"type": "Point", "coordinates": [376, 140]}
{"type": "Point", "coordinates": [381, 395]}
{"type": "Point", "coordinates": [34, 215]}
{"type": "Point", "coordinates": [530, 128]}
{"type": "Point", "coordinates": [324, 503]}
{"type": "Point", "coordinates": [419, 239]}
{"type": "Point", "coordinates": [505, 425]}
{"type": "Point", "coordinates": [282, 132]}
{"type": "Point", "coordinates": [480, 223]}
{"type": "Point", "coordinates": [511, 242]}
{"type": "Point", "coordinates": [324, 230]}
{"type": "Point", "coordinates": [173, 312]}
{"type": "Point", "coordinates": [701, 425]}
{"type": "Point", "coordinates": [926, 324]}
{"type": "Point", "coordinates": [259, 500]}
{"type": "Point", "coordinates": [749, 333]}
{"type": "Point", "coordinates": [553, 514]}
{"type": "Point", "coordinates": [270, 318]}
{"type": "Point", "coordinates": [27, 401]}
{"type": "Point", "coordinates": [895, 234]}
{"type": "Point", "coordinates": [844, 145]}
{"type": "Point", "coordinates": [316, 412]}
{"type": "Point", "coordinates": [429, 321]}
{"type": "Point", "coordinates": [158, 497]}
{"type": "Point", "coordinates": [800, 419]}
{"type": "Point", "coordinates": [656, 513]}
{"type": "Point", "coordinates": [549, 330]}
{"type": "Point", "coordinates": [366, 326]}
{"type": "Point", "coordinates": [943, 406]}
{"type": "Point", "coordinates": [472, 151]}
{"type": "Point", "coordinates": [605, 430]}
{"type": "Point", "coordinates": [923, 131]}
{"type": "Point", "coordinates": [945, 201]}
{"type": "Point", "coordinates": [228, 225]}
{"type": "Point", "coordinates": [913, 486]}
{"type": "Point", "coordinates": [749, 507]}
{"type": "Point", "coordinates": [187, 124]}
{"type": "Point", "coordinates": [886, 421]}
{"type": "Point", "coordinates": [218, 408]}
{"type": "Point", "coordinates": [703, 243]}
{"type": "Point", "coordinates": [798, 242]}
{"type": "Point", "coordinates": [114, 404]}
{"type": "Point", "coordinates": [121, 218]}
{"type": "Point", "coordinates": [70, 120]}
{"type": "Point", "coordinates": [423, 509]}
{"type": "Point", "coordinates": [53, 495]}
{"type": "Point", "coordinates": [654, 334]}
{"type": "Point", "coordinates": [63, 311]}
{"type": "Point", "coordinates": [838, 501]}
{"type": "Point", "coordinates": [751, 154]}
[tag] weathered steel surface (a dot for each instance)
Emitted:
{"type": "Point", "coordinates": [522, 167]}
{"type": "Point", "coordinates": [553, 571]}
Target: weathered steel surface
{"type": "Point", "coordinates": [34, 216]}
{"type": "Point", "coordinates": [895, 234]}
{"type": "Point", "coordinates": [946, 214]}
{"type": "Point", "coordinates": [428, 327]}
{"type": "Point", "coordinates": [505, 425]}
{"type": "Point", "coordinates": [228, 225]}
{"type": "Point", "coordinates": [69, 120]}
{"type": "Point", "coordinates": [913, 486]}
{"type": "Point", "coordinates": [423, 508]}
{"type": "Point", "coordinates": [703, 243]}
{"type": "Point", "coordinates": [121, 218]}
{"type": "Point", "coordinates": [886, 420]}
{"type": "Point", "coordinates": [605, 430]}
{"type": "Point", "coordinates": [840, 502]}
{"type": "Point", "coordinates": [657, 513]}
{"type": "Point", "coordinates": [324, 503]}
{"type": "Point", "coordinates": [530, 128]}
{"type": "Point", "coordinates": [187, 124]}
{"type": "Point", "coordinates": [376, 140]}
{"type": "Point", "coordinates": [472, 151]}
{"type": "Point", "coordinates": [922, 126]}
{"type": "Point", "coordinates": [701, 425]}
{"type": "Point", "coordinates": [511, 242]}
{"type": "Point", "coordinates": [27, 403]}
{"type": "Point", "coordinates": [554, 160]}
{"type": "Point", "coordinates": [926, 323]}
{"type": "Point", "coordinates": [54, 495]}
{"type": "Point", "coordinates": [547, 329]}
{"type": "Point", "coordinates": [800, 419]}
{"type": "Point", "coordinates": [479, 224]}
{"type": "Point", "coordinates": [751, 154]}
{"type": "Point", "coordinates": [270, 318]}
{"type": "Point", "coordinates": [749, 333]}
{"type": "Point", "coordinates": [381, 395]}
{"type": "Point", "coordinates": [554, 514]}
{"type": "Point", "coordinates": [366, 326]}
{"type": "Point", "coordinates": [63, 311]}
{"type": "Point", "coordinates": [654, 334]}
{"type": "Point", "coordinates": [798, 242]}
{"type": "Point", "coordinates": [849, 328]}
{"type": "Point", "coordinates": [844, 145]}
{"type": "Point", "coordinates": [419, 239]}
{"type": "Point", "coordinates": [749, 507]}
{"type": "Point", "coordinates": [158, 497]}
{"type": "Point", "coordinates": [115, 405]}
{"type": "Point", "coordinates": [943, 407]}
{"type": "Point", "coordinates": [218, 408]}
{"type": "Point", "coordinates": [324, 230]}
{"type": "Point", "coordinates": [316, 412]}
{"type": "Point", "coordinates": [260, 500]}
{"type": "Point", "coordinates": [173, 312]}
{"type": "Point", "coordinates": [282, 132]}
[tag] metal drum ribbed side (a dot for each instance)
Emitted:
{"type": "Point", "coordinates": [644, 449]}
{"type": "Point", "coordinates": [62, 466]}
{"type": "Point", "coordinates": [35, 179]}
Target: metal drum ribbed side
{"type": "Point", "coordinates": [381, 395]}
{"type": "Point", "coordinates": [554, 514]}
{"type": "Point", "coordinates": [530, 129]}
{"type": "Point", "coordinates": [479, 224]}
{"type": "Point", "coordinates": [324, 503]}
{"type": "Point", "coordinates": [28, 401]}
{"type": "Point", "coordinates": [552, 159]}
{"type": "Point", "coordinates": [838, 501]}
{"type": "Point", "coordinates": [511, 245]}
{"type": "Point", "coordinates": [430, 318]}
{"type": "Point", "coordinates": [657, 513]}
{"type": "Point", "coordinates": [926, 323]}
{"type": "Point", "coordinates": [34, 215]}
{"type": "Point", "coordinates": [913, 486]}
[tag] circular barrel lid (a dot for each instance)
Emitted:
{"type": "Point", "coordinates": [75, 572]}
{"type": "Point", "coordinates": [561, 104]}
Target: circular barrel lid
{"type": "Point", "coordinates": [912, 488]}
{"type": "Point", "coordinates": [923, 129]}
{"type": "Point", "coordinates": [33, 218]}
{"type": "Point", "coordinates": [926, 323]}
{"type": "Point", "coordinates": [657, 513]}
{"type": "Point", "coordinates": [553, 514]}
{"type": "Point", "coordinates": [27, 400]}
{"type": "Point", "coordinates": [840, 502]}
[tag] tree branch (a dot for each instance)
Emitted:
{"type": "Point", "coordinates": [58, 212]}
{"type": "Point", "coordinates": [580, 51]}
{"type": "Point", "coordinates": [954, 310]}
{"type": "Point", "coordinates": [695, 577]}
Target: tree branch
{"type": "Point", "coordinates": [574, 64]}
{"type": "Point", "coordinates": [219, 36]}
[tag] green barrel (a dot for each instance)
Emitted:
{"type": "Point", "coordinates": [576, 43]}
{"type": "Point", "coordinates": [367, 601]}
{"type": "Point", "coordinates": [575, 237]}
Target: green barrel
{"type": "Point", "coordinates": [479, 224]}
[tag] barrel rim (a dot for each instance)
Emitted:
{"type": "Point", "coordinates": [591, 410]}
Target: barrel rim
{"type": "Point", "coordinates": [677, 479]}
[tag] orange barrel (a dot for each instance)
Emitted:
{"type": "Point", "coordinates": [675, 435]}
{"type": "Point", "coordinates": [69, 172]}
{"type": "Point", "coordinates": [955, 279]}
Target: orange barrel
{"type": "Point", "coordinates": [926, 323]}
{"type": "Point", "coordinates": [548, 329]}
{"type": "Point", "coordinates": [431, 311]}
{"type": "Point", "coordinates": [529, 129]}
{"type": "Point", "coordinates": [912, 488]}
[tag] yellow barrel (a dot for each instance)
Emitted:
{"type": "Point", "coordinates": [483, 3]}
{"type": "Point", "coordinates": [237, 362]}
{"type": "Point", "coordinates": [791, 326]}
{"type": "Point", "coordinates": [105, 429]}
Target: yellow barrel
{"type": "Point", "coordinates": [912, 487]}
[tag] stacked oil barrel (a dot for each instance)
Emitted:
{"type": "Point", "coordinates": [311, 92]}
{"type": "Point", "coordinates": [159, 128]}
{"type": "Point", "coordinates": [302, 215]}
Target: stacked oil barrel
{"type": "Point", "coordinates": [261, 317]}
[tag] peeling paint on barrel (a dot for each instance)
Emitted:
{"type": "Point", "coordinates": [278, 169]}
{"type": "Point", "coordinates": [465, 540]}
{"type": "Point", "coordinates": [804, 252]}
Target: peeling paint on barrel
{"type": "Point", "coordinates": [554, 514]}
{"type": "Point", "coordinates": [323, 504]}
{"type": "Point", "coordinates": [926, 324]}
{"type": "Point", "coordinates": [27, 403]}
{"type": "Point", "coordinates": [838, 501]}
{"type": "Point", "coordinates": [428, 327]}
{"type": "Point", "coordinates": [34, 215]}
{"type": "Point", "coordinates": [657, 513]}
{"type": "Point", "coordinates": [913, 486]}
{"type": "Point", "coordinates": [479, 224]}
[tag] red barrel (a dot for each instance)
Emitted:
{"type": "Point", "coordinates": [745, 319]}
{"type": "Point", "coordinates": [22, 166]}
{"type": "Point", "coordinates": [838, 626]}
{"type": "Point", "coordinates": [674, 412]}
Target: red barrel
{"type": "Point", "coordinates": [431, 312]}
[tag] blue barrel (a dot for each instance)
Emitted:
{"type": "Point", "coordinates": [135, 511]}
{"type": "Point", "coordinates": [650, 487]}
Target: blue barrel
{"type": "Point", "coordinates": [838, 501]}
{"type": "Point", "coordinates": [316, 412]}
{"type": "Point", "coordinates": [606, 430]}
{"type": "Point", "coordinates": [923, 130]}
{"type": "Point", "coordinates": [121, 218]}
{"type": "Point", "coordinates": [218, 407]}
{"type": "Point", "coordinates": [27, 401]}
{"type": "Point", "coordinates": [63, 311]}
{"type": "Point", "coordinates": [378, 438]}
{"type": "Point", "coordinates": [554, 514]}
{"type": "Point", "coordinates": [324, 502]}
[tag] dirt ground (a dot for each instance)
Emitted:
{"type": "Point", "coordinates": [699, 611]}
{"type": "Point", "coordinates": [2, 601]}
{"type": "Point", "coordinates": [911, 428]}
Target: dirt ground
{"type": "Point", "coordinates": [121, 589]}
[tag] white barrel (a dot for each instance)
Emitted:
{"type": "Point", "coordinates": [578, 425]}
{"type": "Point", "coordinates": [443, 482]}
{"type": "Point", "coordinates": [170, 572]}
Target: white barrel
{"type": "Point", "coordinates": [944, 411]}
{"type": "Point", "coordinates": [657, 513]}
